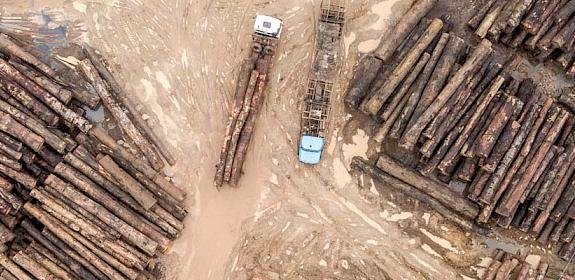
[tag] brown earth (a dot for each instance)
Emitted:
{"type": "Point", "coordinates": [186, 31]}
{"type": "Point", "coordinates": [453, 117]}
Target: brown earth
{"type": "Point", "coordinates": [179, 60]}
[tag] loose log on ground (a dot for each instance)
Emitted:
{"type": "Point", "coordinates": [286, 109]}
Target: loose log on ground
{"type": "Point", "coordinates": [412, 134]}
{"type": "Point", "coordinates": [121, 117]}
{"type": "Point", "coordinates": [374, 104]}
{"type": "Point", "coordinates": [435, 190]}
{"type": "Point", "coordinates": [136, 117]}
{"type": "Point", "coordinates": [64, 95]}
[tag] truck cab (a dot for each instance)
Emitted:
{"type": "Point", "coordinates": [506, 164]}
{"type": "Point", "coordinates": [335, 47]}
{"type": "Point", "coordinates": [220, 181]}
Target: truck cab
{"type": "Point", "coordinates": [268, 26]}
{"type": "Point", "coordinates": [310, 149]}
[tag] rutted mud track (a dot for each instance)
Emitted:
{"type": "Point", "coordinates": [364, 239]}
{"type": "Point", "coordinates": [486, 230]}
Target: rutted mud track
{"type": "Point", "coordinates": [179, 59]}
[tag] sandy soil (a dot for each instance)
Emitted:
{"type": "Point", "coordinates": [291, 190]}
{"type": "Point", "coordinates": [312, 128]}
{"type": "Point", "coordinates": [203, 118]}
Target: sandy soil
{"type": "Point", "coordinates": [179, 59]}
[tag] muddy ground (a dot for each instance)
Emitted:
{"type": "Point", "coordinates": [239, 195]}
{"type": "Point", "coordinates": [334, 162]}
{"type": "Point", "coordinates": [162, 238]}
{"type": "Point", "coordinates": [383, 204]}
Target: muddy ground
{"type": "Point", "coordinates": [179, 60]}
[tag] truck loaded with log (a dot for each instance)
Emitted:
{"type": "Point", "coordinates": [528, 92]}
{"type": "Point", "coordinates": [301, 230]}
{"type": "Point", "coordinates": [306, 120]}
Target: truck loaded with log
{"type": "Point", "coordinates": [248, 100]}
{"type": "Point", "coordinates": [321, 80]}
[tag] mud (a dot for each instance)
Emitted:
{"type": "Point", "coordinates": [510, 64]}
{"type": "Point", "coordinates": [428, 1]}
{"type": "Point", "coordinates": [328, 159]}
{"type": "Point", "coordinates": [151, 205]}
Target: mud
{"type": "Point", "coordinates": [179, 60]}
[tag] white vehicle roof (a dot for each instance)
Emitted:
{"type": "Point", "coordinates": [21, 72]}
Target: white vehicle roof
{"type": "Point", "coordinates": [269, 26]}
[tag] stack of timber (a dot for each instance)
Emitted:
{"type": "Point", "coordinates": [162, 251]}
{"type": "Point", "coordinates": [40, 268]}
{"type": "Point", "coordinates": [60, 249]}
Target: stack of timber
{"type": "Point", "coordinates": [74, 203]}
{"type": "Point", "coordinates": [504, 265]}
{"type": "Point", "coordinates": [450, 117]}
{"type": "Point", "coordinates": [544, 28]}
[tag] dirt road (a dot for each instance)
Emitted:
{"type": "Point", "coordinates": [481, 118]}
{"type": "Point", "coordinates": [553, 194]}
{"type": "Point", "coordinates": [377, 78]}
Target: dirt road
{"type": "Point", "coordinates": [179, 59]}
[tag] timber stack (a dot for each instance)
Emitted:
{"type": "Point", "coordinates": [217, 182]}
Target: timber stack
{"type": "Point", "coordinates": [74, 203]}
{"type": "Point", "coordinates": [518, 266]}
{"type": "Point", "coordinates": [461, 134]}
{"type": "Point", "coordinates": [544, 28]}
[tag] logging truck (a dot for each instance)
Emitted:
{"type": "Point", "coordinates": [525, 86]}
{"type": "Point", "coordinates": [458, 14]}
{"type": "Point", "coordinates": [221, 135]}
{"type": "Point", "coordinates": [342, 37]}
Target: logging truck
{"type": "Point", "coordinates": [248, 99]}
{"type": "Point", "coordinates": [320, 82]}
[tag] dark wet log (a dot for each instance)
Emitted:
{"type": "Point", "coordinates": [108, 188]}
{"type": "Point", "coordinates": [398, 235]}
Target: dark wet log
{"type": "Point", "coordinates": [374, 104]}
{"type": "Point", "coordinates": [133, 228]}
{"type": "Point", "coordinates": [121, 117]}
{"type": "Point", "coordinates": [98, 177]}
{"type": "Point", "coordinates": [9, 72]}
{"type": "Point", "coordinates": [34, 268]}
{"type": "Point", "coordinates": [136, 117]}
{"type": "Point", "coordinates": [559, 228]}
{"type": "Point", "coordinates": [139, 165]}
{"type": "Point", "coordinates": [16, 104]}
{"type": "Point", "coordinates": [565, 35]}
{"type": "Point", "coordinates": [553, 178]}
{"type": "Point", "coordinates": [518, 39]}
{"type": "Point", "coordinates": [89, 230]}
{"type": "Point", "coordinates": [403, 28]}
{"type": "Point", "coordinates": [53, 88]}
{"type": "Point", "coordinates": [6, 234]}
{"type": "Point", "coordinates": [133, 187]}
{"type": "Point", "coordinates": [18, 176]}
{"type": "Point", "coordinates": [365, 73]}
{"type": "Point", "coordinates": [528, 220]}
{"type": "Point", "coordinates": [564, 202]}
{"type": "Point", "coordinates": [480, 53]}
{"type": "Point", "coordinates": [518, 13]}
{"type": "Point", "coordinates": [567, 132]}
{"type": "Point", "coordinates": [476, 20]}
{"type": "Point", "coordinates": [13, 268]}
{"type": "Point", "coordinates": [14, 201]}
{"type": "Point", "coordinates": [434, 189]}
{"type": "Point", "coordinates": [393, 110]}
{"type": "Point", "coordinates": [450, 159]}
{"type": "Point", "coordinates": [438, 79]}
{"type": "Point", "coordinates": [516, 193]}
{"type": "Point", "coordinates": [567, 253]}
{"type": "Point", "coordinates": [477, 185]}
{"type": "Point", "coordinates": [535, 182]}
{"type": "Point", "coordinates": [432, 163]}
{"type": "Point", "coordinates": [569, 232]}
{"type": "Point", "coordinates": [503, 144]}
{"type": "Point", "coordinates": [49, 264]}
{"type": "Point", "coordinates": [416, 90]}
{"type": "Point", "coordinates": [20, 132]}
{"type": "Point", "coordinates": [467, 169]}
{"type": "Point", "coordinates": [489, 18]}
{"type": "Point", "coordinates": [8, 47]}
{"type": "Point", "coordinates": [546, 232]}
{"type": "Point", "coordinates": [565, 12]}
{"type": "Point", "coordinates": [413, 192]}
{"type": "Point", "coordinates": [539, 12]}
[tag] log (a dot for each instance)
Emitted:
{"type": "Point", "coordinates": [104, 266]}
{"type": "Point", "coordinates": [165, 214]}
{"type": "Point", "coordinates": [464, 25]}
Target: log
{"type": "Point", "coordinates": [415, 193]}
{"type": "Point", "coordinates": [53, 88]}
{"type": "Point", "coordinates": [136, 117]}
{"type": "Point", "coordinates": [14, 102]}
{"type": "Point", "coordinates": [439, 78]}
{"type": "Point", "coordinates": [10, 152]}
{"type": "Point", "coordinates": [503, 144]}
{"type": "Point", "coordinates": [7, 71]}
{"type": "Point", "coordinates": [6, 235]}
{"type": "Point", "coordinates": [492, 270]}
{"type": "Point", "coordinates": [489, 19]}
{"type": "Point", "coordinates": [244, 81]}
{"type": "Point", "coordinates": [539, 12]}
{"type": "Point", "coordinates": [374, 104]}
{"type": "Point", "coordinates": [14, 201]}
{"type": "Point", "coordinates": [132, 234]}
{"type": "Point", "coordinates": [500, 23]}
{"type": "Point", "coordinates": [451, 157]}
{"type": "Point", "coordinates": [8, 47]}
{"type": "Point", "coordinates": [430, 165]}
{"type": "Point", "coordinates": [506, 268]}
{"type": "Point", "coordinates": [565, 35]}
{"type": "Point", "coordinates": [141, 166]}
{"type": "Point", "coordinates": [364, 76]}
{"type": "Point", "coordinates": [236, 131]}
{"type": "Point", "coordinates": [121, 117]}
{"type": "Point", "coordinates": [476, 187]}
{"type": "Point", "coordinates": [400, 99]}
{"type": "Point", "coordinates": [403, 28]}
{"type": "Point", "coordinates": [476, 20]}
{"type": "Point", "coordinates": [569, 232]}
{"type": "Point", "coordinates": [518, 13]}
{"type": "Point", "coordinates": [416, 90]}
{"type": "Point", "coordinates": [467, 170]}
{"type": "Point", "coordinates": [516, 193]}
{"type": "Point", "coordinates": [467, 150]}
{"type": "Point", "coordinates": [20, 132]}
{"type": "Point", "coordinates": [10, 141]}
{"type": "Point", "coordinates": [534, 184]}
{"type": "Point", "coordinates": [11, 266]}
{"type": "Point", "coordinates": [50, 265]}
{"type": "Point", "coordinates": [133, 187]}
{"type": "Point", "coordinates": [433, 189]}
{"type": "Point", "coordinates": [564, 13]}
{"type": "Point", "coordinates": [558, 230]}
{"type": "Point", "coordinates": [553, 178]}
{"type": "Point", "coordinates": [544, 27]}
{"type": "Point", "coordinates": [19, 176]}
{"type": "Point", "coordinates": [543, 238]}
{"type": "Point", "coordinates": [412, 134]}
{"type": "Point", "coordinates": [564, 202]}
{"type": "Point", "coordinates": [34, 268]}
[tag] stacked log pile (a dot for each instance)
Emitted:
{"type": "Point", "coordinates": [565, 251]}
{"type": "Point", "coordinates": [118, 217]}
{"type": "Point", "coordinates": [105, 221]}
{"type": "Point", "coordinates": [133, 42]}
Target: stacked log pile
{"type": "Point", "coordinates": [459, 118]}
{"type": "Point", "coordinates": [74, 203]}
{"type": "Point", "coordinates": [545, 28]}
{"type": "Point", "coordinates": [503, 265]}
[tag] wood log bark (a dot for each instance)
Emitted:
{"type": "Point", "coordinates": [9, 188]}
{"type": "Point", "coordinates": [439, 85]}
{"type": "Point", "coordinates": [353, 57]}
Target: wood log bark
{"type": "Point", "coordinates": [476, 187]}
{"type": "Point", "coordinates": [476, 20]}
{"type": "Point", "coordinates": [403, 28]}
{"type": "Point", "coordinates": [558, 229]}
{"type": "Point", "coordinates": [19, 176]}
{"type": "Point", "coordinates": [413, 192]}
{"type": "Point", "coordinates": [374, 104]}
{"type": "Point", "coordinates": [518, 13]}
{"type": "Point", "coordinates": [64, 95]}
{"type": "Point", "coordinates": [23, 101]}
{"type": "Point", "coordinates": [487, 141]}
{"type": "Point", "coordinates": [543, 238]}
{"type": "Point", "coordinates": [141, 166]}
{"type": "Point", "coordinates": [569, 232]}
{"type": "Point", "coordinates": [503, 144]}
{"type": "Point", "coordinates": [10, 142]}
{"type": "Point", "coordinates": [489, 19]}
{"type": "Point", "coordinates": [74, 265]}
{"type": "Point", "coordinates": [132, 234]}
{"type": "Point", "coordinates": [20, 132]}
{"type": "Point", "coordinates": [564, 13]}
{"type": "Point", "coordinates": [467, 170]}
{"type": "Point", "coordinates": [50, 265]}
{"type": "Point", "coordinates": [14, 201]}
{"type": "Point", "coordinates": [533, 186]}
{"type": "Point", "coordinates": [472, 142]}
{"type": "Point", "coordinates": [545, 25]}
{"type": "Point", "coordinates": [412, 134]}
{"type": "Point", "coordinates": [553, 179]}
{"type": "Point", "coordinates": [565, 35]}
{"type": "Point", "coordinates": [364, 76]}
{"type": "Point", "coordinates": [500, 23]}
{"type": "Point", "coordinates": [9, 72]}
{"type": "Point", "coordinates": [7, 46]}
{"type": "Point", "coordinates": [136, 117]}
{"type": "Point", "coordinates": [13, 268]}
{"type": "Point", "coordinates": [435, 190]}
{"type": "Point", "coordinates": [539, 12]}
{"type": "Point", "coordinates": [133, 187]}
{"type": "Point", "coordinates": [516, 193]}
{"type": "Point", "coordinates": [34, 268]}
{"type": "Point", "coordinates": [439, 78]}
{"type": "Point", "coordinates": [416, 90]}
{"type": "Point", "coordinates": [6, 234]}
{"type": "Point", "coordinates": [121, 117]}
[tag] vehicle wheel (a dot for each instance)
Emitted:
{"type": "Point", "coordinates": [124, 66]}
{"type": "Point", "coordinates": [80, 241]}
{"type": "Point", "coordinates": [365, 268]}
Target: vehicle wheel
{"type": "Point", "coordinates": [257, 47]}
{"type": "Point", "coordinates": [269, 50]}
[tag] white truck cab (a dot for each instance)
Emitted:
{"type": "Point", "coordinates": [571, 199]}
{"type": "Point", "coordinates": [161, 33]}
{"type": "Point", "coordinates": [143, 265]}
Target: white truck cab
{"type": "Point", "coordinates": [268, 26]}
